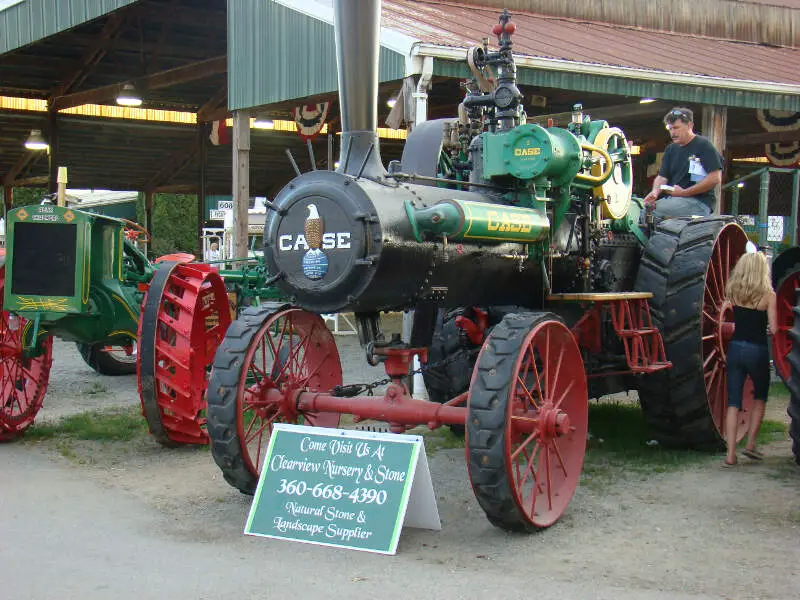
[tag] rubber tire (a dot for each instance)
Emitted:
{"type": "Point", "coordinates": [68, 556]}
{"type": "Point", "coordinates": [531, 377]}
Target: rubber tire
{"type": "Point", "coordinates": [445, 382]}
{"type": "Point", "coordinates": [486, 423]}
{"type": "Point", "coordinates": [791, 271]}
{"type": "Point", "coordinates": [673, 267]}
{"type": "Point", "coordinates": [794, 385]}
{"type": "Point", "coordinates": [102, 362]}
{"type": "Point", "coordinates": [221, 396]}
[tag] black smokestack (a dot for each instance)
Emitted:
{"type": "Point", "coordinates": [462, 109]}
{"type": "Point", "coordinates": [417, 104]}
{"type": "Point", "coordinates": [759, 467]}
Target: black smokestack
{"type": "Point", "coordinates": [357, 26]}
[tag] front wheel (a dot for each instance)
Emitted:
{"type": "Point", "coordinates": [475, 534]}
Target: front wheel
{"type": "Point", "coordinates": [527, 422]}
{"type": "Point", "coordinates": [268, 347]}
{"type": "Point", "coordinates": [23, 381]}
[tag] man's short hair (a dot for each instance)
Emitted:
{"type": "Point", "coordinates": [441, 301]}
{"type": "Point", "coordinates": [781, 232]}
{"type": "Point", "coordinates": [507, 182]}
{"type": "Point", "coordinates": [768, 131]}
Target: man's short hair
{"type": "Point", "coordinates": [679, 113]}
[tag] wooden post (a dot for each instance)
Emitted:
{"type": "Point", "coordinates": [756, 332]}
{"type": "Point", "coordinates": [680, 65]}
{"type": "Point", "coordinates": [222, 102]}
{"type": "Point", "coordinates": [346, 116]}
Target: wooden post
{"type": "Point", "coordinates": [8, 198]}
{"type": "Point", "coordinates": [62, 186]}
{"type": "Point", "coordinates": [148, 216]}
{"type": "Point", "coordinates": [714, 127]}
{"type": "Point", "coordinates": [52, 151]}
{"type": "Point", "coordinates": [202, 131]}
{"type": "Point", "coordinates": [241, 182]}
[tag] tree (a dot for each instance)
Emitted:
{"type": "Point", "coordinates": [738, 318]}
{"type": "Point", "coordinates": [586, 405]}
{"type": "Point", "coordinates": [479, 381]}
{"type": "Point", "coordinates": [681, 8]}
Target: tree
{"type": "Point", "coordinates": [23, 196]}
{"type": "Point", "coordinates": [174, 223]}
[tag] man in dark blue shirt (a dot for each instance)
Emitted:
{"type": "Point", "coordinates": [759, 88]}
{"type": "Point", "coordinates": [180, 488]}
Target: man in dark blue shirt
{"type": "Point", "coordinates": [690, 170]}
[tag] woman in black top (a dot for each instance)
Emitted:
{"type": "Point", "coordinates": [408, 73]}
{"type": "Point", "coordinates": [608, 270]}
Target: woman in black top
{"type": "Point", "coordinates": [749, 291]}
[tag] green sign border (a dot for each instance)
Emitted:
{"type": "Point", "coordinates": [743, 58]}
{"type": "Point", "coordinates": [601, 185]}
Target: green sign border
{"type": "Point", "coordinates": [390, 438]}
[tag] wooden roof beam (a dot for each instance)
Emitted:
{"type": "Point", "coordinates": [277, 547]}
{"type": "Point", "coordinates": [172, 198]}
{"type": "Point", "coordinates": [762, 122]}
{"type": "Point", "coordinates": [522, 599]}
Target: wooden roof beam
{"type": "Point", "coordinates": [164, 79]}
{"type": "Point", "coordinates": [213, 104]}
{"type": "Point", "coordinates": [174, 164]}
{"type": "Point", "coordinates": [610, 113]}
{"type": "Point", "coordinates": [93, 54]}
{"type": "Point", "coordinates": [11, 177]}
{"type": "Point", "coordinates": [770, 137]}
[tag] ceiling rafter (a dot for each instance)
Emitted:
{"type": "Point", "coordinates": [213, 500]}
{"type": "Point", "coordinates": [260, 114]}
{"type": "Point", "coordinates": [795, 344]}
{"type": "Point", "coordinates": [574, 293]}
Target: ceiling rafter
{"type": "Point", "coordinates": [93, 55]}
{"type": "Point", "coordinates": [212, 105]}
{"type": "Point", "coordinates": [164, 79]}
{"type": "Point", "coordinates": [175, 163]}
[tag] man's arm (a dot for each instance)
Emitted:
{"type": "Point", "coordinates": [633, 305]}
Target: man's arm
{"type": "Point", "coordinates": [656, 191]}
{"type": "Point", "coordinates": [707, 183]}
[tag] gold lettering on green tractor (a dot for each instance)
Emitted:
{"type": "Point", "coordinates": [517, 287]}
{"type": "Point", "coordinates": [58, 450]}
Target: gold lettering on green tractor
{"type": "Point", "coordinates": [532, 151]}
{"type": "Point", "coordinates": [503, 221]}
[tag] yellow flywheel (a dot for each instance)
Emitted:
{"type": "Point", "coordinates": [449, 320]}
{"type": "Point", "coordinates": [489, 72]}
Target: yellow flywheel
{"type": "Point", "coordinates": [615, 194]}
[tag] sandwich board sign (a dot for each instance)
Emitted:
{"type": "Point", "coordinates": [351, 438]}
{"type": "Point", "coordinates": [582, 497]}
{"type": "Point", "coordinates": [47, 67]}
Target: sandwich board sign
{"type": "Point", "coordinates": [342, 488]}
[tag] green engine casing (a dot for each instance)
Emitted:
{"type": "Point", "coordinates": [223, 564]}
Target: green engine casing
{"type": "Point", "coordinates": [532, 152]}
{"type": "Point", "coordinates": [73, 275]}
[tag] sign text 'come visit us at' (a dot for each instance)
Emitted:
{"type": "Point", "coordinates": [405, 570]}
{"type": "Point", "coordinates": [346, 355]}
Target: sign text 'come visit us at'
{"type": "Point", "coordinates": [342, 488]}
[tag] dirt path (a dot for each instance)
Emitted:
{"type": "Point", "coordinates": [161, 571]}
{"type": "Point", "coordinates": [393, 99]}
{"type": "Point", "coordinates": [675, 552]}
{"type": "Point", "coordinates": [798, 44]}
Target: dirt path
{"type": "Point", "coordinates": [139, 521]}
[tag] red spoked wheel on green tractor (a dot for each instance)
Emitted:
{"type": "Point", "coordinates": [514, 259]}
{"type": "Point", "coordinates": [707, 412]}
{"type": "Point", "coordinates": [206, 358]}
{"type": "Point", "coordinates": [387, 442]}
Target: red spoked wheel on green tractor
{"type": "Point", "coordinates": [184, 317]}
{"type": "Point", "coordinates": [786, 292]}
{"type": "Point", "coordinates": [686, 265]}
{"type": "Point", "coordinates": [23, 381]}
{"type": "Point", "coordinates": [527, 421]}
{"type": "Point", "coordinates": [268, 347]}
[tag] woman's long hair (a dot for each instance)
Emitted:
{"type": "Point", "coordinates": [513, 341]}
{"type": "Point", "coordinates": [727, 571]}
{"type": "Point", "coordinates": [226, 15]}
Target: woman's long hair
{"type": "Point", "coordinates": [749, 281]}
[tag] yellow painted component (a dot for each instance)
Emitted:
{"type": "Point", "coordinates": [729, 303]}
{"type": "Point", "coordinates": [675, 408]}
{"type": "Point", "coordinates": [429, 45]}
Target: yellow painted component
{"type": "Point", "coordinates": [615, 194]}
{"type": "Point", "coordinates": [599, 296]}
{"type": "Point", "coordinates": [606, 164]}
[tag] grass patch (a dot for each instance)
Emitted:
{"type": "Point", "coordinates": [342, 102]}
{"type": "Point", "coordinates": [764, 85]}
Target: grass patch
{"type": "Point", "coordinates": [622, 444]}
{"type": "Point", "coordinates": [441, 439]}
{"type": "Point", "coordinates": [120, 425]}
{"type": "Point", "coordinates": [778, 389]}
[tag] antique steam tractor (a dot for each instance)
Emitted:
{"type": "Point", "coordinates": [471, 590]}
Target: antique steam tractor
{"type": "Point", "coordinates": [81, 277]}
{"type": "Point", "coordinates": [520, 250]}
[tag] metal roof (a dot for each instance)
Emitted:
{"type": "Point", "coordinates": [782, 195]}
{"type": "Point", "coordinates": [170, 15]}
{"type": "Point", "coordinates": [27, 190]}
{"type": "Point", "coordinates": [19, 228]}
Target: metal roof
{"type": "Point", "coordinates": [636, 61]}
{"type": "Point", "coordinates": [284, 49]}
{"type": "Point", "coordinates": [28, 21]}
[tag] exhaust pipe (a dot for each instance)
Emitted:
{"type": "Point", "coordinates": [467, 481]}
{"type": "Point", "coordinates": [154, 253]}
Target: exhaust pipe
{"type": "Point", "coordinates": [357, 26]}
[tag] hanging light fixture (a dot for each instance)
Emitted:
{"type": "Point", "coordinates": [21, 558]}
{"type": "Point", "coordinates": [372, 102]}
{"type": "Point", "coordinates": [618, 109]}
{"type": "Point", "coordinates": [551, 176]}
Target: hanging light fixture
{"type": "Point", "coordinates": [263, 123]}
{"type": "Point", "coordinates": [36, 141]}
{"type": "Point", "coordinates": [128, 96]}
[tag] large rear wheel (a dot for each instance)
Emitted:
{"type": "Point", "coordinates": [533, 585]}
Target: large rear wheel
{"type": "Point", "coordinates": [184, 317]}
{"type": "Point", "coordinates": [527, 422]}
{"type": "Point", "coordinates": [268, 347]}
{"type": "Point", "coordinates": [686, 265]}
{"type": "Point", "coordinates": [782, 341]}
{"type": "Point", "coordinates": [23, 381]}
{"type": "Point", "coordinates": [793, 381]}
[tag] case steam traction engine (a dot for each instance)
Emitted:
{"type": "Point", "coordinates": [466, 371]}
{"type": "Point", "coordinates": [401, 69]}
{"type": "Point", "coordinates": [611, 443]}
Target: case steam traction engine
{"type": "Point", "coordinates": [519, 249]}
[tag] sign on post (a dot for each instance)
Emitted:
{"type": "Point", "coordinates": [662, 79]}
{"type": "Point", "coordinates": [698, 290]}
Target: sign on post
{"type": "Point", "coordinates": [349, 489]}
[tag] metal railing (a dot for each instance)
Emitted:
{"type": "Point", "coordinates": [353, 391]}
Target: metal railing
{"type": "Point", "coordinates": [763, 199]}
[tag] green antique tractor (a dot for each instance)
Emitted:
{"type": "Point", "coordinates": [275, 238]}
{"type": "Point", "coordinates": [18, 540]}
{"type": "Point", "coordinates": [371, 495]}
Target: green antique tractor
{"type": "Point", "coordinates": [81, 277]}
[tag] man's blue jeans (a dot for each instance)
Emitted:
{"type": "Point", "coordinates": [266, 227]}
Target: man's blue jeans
{"type": "Point", "coordinates": [670, 206]}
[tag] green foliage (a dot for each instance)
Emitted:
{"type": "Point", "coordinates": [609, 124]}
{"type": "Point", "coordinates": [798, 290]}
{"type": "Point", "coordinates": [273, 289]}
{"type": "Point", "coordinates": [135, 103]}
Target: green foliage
{"type": "Point", "coordinates": [174, 223]}
{"type": "Point", "coordinates": [23, 196]}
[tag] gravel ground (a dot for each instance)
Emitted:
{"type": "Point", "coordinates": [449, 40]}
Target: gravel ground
{"type": "Point", "coordinates": [140, 521]}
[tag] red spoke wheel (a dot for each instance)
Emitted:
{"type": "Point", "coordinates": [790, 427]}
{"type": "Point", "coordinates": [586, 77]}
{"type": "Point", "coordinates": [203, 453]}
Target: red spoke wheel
{"type": "Point", "coordinates": [269, 347]}
{"type": "Point", "coordinates": [686, 265]}
{"type": "Point", "coordinates": [785, 290]}
{"type": "Point", "coordinates": [793, 383]}
{"type": "Point", "coordinates": [184, 317]}
{"type": "Point", "coordinates": [528, 420]}
{"type": "Point", "coordinates": [23, 381]}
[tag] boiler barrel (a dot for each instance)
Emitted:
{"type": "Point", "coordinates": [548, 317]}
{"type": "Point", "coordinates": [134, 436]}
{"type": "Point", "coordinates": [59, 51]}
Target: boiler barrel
{"type": "Point", "coordinates": [347, 245]}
